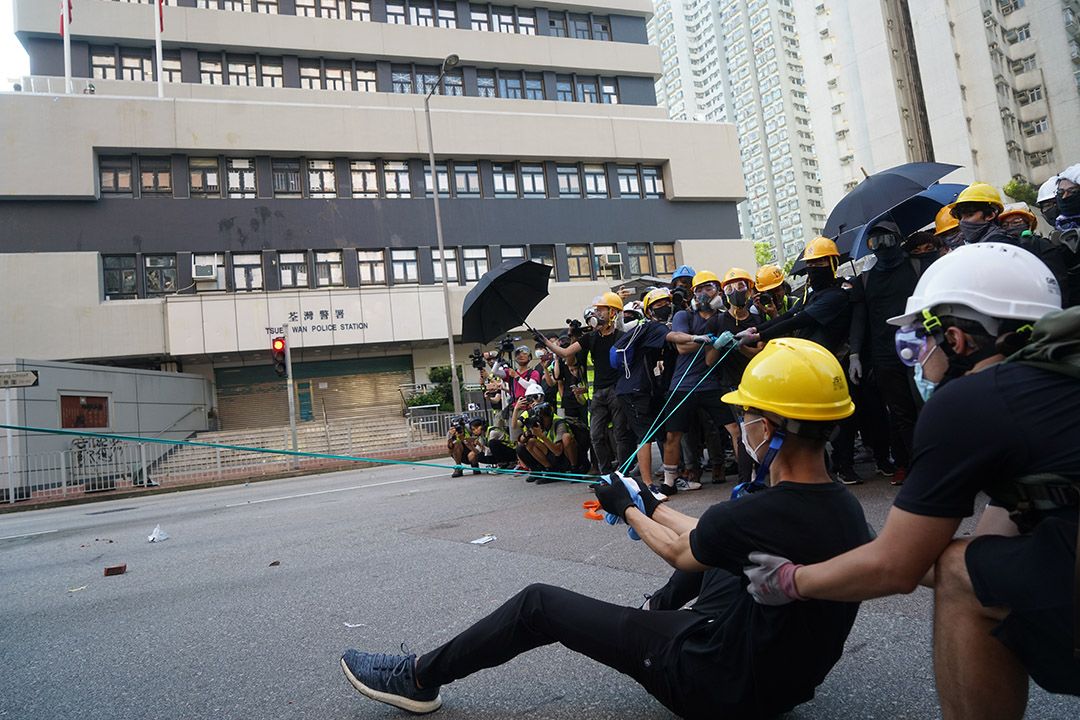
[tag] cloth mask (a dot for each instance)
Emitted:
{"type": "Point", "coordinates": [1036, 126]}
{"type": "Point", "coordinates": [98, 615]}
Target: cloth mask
{"type": "Point", "coordinates": [819, 277]}
{"type": "Point", "coordinates": [662, 314]}
{"type": "Point", "coordinates": [888, 258]}
{"type": "Point", "coordinates": [973, 232]}
{"type": "Point", "coordinates": [1069, 205]}
{"type": "Point", "coordinates": [738, 298]}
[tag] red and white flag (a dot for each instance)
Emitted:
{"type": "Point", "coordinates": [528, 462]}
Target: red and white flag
{"type": "Point", "coordinates": [161, 14]}
{"type": "Point", "coordinates": [64, 21]}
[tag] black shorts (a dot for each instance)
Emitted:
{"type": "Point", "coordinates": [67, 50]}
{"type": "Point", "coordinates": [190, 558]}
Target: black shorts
{"type": "Point", "coordinates": [1032, 575]}
{"type": "Point", "coordinates": [638, 409]}
{"type": "Point", "coordinates": [685, 413]}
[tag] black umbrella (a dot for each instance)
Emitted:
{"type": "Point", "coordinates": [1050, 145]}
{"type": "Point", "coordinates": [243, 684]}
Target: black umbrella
{"type": "Point", "coordinates": [882, 191]}
{"type": "Point", "coordinates": [502, 299]}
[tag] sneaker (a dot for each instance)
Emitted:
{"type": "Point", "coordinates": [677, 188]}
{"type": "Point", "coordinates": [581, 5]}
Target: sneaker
{"type": "Point", "coordinates": [530, 478]}
{"type": "Point", "coordinates": [457, 473]}
{"type": "Point", "coordinates": [545, 479]}
{"type": "Point", "coordinates": [389, 679]}
{"type": "Point", "coordinates": [899, 476]}
{"type": "Point", "coordinates": [863, 454]}
{"type": "Point", "coordinates": [477, 471]}
{"type": "Point", "coordinates": [658, 493]}
{"type": "Point", "coordinates": [668, 490]}
{"type": "Point", "coordinates": [685, 485]}
{"type": "Point", "coordinates": [886, 469]}
{"type": "Point", "coordinates": [848, 476]}
{"type": "Point", "coordinates": [646, 603]}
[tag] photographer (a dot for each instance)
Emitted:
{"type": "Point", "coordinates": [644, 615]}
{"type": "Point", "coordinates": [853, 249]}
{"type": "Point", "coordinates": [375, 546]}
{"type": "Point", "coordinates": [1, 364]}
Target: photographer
{"type": "Point", "coordinates": [682, 281]}
{"type": "Point", "coordinates": [490, 445]}
{"type": "Point", "coordinates": [571, 389]}
{"type": "Point", "coordinates": [519, 376]}
{"type": "Point", "coordinates": [773, 297]}
{"type": "Point", "coordinates": [549, 444]}
{"type": "Point", "coordinates": [545, 365]}
{"type": "Point", "coordinates": [457, 446]}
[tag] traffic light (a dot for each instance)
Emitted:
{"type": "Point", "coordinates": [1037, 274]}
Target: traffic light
{"type": "Point", "coordinates": [277, 352]}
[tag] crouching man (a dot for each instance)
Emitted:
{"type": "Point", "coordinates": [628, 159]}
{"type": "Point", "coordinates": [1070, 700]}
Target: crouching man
{"type": "Point", "coordinates": [727, 657]}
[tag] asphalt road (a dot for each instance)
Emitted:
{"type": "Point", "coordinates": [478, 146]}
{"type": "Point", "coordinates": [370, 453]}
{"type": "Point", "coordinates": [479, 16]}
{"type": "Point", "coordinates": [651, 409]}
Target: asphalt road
{"type": "Point", "coordinates": [203, 626]}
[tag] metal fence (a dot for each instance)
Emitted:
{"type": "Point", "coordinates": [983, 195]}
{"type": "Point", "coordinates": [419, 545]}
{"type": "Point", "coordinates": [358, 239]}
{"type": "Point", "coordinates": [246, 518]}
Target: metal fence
{"type": "Point", "coordinates": [90, 465]}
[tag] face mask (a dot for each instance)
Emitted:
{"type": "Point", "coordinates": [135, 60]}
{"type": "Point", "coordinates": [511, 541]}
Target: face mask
{"type": "Point", "coordinates": [925, 387]}
{"type": "Point", "coordinates": [539, 354]}
{"type": "Point", "coordinates": [738, 298]}
{"type": "Point", "coordinates": [973, 232]}
{"type": "Point", "coordinates": [1069, 205]}
{"type": "Point", "coordinates": [888, 258]}
{"type": "Point", "coordinates": [1014, 232]}
{"type": "Point", "coordinates": [1050, 214]}
{"type": "Point", "coordinates": [662, 314]}
{"type": "Point", "coordinates": [819, 277]}
{"type": "Point", "coordinates": [752, 451]}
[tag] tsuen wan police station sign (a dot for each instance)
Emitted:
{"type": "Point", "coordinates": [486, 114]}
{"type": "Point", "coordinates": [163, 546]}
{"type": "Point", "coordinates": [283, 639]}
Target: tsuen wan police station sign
{"type": "Point", "coordinates": [317, 321]}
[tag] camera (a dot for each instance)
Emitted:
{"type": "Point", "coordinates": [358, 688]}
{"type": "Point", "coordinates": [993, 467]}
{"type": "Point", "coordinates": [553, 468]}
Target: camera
{"type": "Point", "coordinates": [506, 345]}
{"type": "Point", "coordinates": [679, 296]}
{"type": "Point", "coordinates": [477, 359]}
{"type": "Point", "coordinates": [459, 423]}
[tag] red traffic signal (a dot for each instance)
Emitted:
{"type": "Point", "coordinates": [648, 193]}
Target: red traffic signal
{"type": "Point", "coordinates": [277, 354]}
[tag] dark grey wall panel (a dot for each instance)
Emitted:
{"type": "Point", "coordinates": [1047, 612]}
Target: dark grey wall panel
{"type": "Point", "coordinates": [637, 90]}
{"type": "Point", "coordinates": [629, 29]}
{"type": "Point", "coordinates": [116, 225]}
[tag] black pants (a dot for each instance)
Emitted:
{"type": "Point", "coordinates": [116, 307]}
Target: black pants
{"type": "Point", "coordinates": [869, 420]}
{"type": "Point", "coordinates": [894, 383]}
{"type": "Point", "coordinates": [638, 643]}
{"type": "Point", "coordinates": [499, 454]}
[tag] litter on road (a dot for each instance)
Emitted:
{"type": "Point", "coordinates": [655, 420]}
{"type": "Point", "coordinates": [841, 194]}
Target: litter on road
{"type": "Point", "coordinates": [116, 570]}
{"type": "Point", "coordinates": [483, 540]}
{"type": "Point", "coordinates": [158, 535]}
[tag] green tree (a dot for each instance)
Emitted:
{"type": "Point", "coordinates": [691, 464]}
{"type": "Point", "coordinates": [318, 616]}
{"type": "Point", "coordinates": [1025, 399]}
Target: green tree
{"type": "Point", "coordinates": [1020, 189]}
{"type": "Point", "coordinates": [764, 253]}
{"type": "Point", "coordinates": [441, 393]}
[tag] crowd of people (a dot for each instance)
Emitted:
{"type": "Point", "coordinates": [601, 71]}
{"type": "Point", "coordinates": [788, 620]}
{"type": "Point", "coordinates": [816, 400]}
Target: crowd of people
{"type": "Point", "coordinates": [954, 355]}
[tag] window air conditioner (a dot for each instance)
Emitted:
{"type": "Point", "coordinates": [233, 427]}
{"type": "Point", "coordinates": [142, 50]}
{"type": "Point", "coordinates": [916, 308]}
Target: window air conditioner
{"type": "Point", "coordinates": [612, 259]}
{"type": "Point", "coordinates": [205, 272]}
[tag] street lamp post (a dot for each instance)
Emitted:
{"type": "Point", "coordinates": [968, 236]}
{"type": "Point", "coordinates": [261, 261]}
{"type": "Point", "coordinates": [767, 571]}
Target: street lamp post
{"type": "Point", "coordinates": [449, 62]}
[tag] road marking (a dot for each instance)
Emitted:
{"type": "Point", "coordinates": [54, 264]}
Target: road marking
{"type": "Point", "coordinates": [15, 537]}
{"type": "Point", "coordinates": [334, 490]}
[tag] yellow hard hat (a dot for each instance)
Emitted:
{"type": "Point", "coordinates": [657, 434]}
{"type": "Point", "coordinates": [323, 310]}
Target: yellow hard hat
{"type": "Point", "coordinates": [608, 299]}
{"type": "Point", "coordinates": [820, 247]}
{"type": "Point", "coordinates": [978, 192]}
{"type": "Point", "coordinates": [794, 378]}
{"type": "Point", "coordinates": [944, 220]}
{"type": "Point", "coordinates": [736, 273]}
{"type": "Point", "coordinates": [655, 296]}
{"type": "Point", "coordinates": [705, 276]}
{"type": "Point", "coordinates": [1020, 208]}
{"type": "Point", "coordinates": [769, 277]}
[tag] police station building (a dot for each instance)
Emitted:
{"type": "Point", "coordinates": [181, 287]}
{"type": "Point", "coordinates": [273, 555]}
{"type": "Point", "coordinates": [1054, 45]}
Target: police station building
{"type": "Point", "coordinates": [283, 178]}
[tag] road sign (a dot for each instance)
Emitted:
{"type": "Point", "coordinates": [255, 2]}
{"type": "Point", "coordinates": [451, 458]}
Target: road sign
{"type": "Point", "coordinates": [17, 379]}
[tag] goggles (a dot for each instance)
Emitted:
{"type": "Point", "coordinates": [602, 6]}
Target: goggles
{"type": "Point", "coordinates": [875, 242]}
{"type": "Point", "coordinates": [736, 286]}
{"type": "Point", "coordinates": [912, 344]}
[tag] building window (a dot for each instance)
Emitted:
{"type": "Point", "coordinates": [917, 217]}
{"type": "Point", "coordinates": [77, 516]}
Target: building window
{"type": "Point", "coordinates": [205, 264]}
{"type": "Point", "coordinates": [453, 83]}
{"type": "Point", "coordinates": [466, 180]}
{"type": "Point", "coordinates": [1035, 127]}
{"type": "Point", "coordinates": [557, 24]}
{"type": "Point", "coordinates": [421, 13]}
{"type": "Point", "coordinates": [286, 174]}
{"type": "Point", "coordinates": [120, 276]}
{"type": "Point", "coordinates": [135, 66]}
{"type": "Point", "coordinates": [629, 184]}
{"type": "Point", "coordinates": [232, 5]}
{"type": "Point", "coordinates": [328, 269]}
{"type": "Point", "coordinates": [395, 13]}
{"type": "Point", "coordinates": [159, 274]}
{"type": "Point", "coordinates": [1025, 64]}
{"type": "Point", "coordinates": [210, 70]}
{"type": "Point", "coordinates": [170, 66]}
{"type": "Point", "coordinates": [569, 181]}
{"type": "Point", "coordinates": [401, 79]}
{"type": "Point", "coordinates": [84, 411]}
{"type": "Point", "coordinates": [427, 80]}
{"type": "Point", "coordinates": [365, 179]}
{"type": "Point", "coordinates": [322, 179]}
{"type": "Point", "coordinates": [443, 179]}
{"type": "Point", "coordinates": [205, 177]}
{"type": "Point", "coordinates": [510, 85]}
{"type": "Point", "coordinates": [103, 63]}
{"type": "Point", "coordinates": [564, 88]}
{"type": "Point", "coordinates": [396, 179]}
{"type": "Point", "coordinates": [365, 79]}
{"type": "Point", "coordinates": [451, 264]}
{"type": "Point", "coordinates": [241, 176]}
{"type": "Point", "coordinates": [505, 180]}
{"type": "Point", "coordinates": [663, 259]}
{"type": "Point", "coordinates": [361, 9]}
{"type": "Point", "coordinates": [532, 181]}
{"type": "Point", "coordinates": [595, 181]}
{"type": "Point", "coordinates": [526, 21]}
{"type": "Point", "coordinates": [503, 20]}
{"type": "Point", "coordinates": [479, 17]}
{"type": "Point", "coordinates": [333, 9]}
{"type": "Point", "coordinates": [601, 28]}
{"type": "Point", "coordinates": [155, 176]}
{"type": "Point", "coordinates": [272, 74]}
{"type": "Point", "coordinates": [311, 74]}
{"type": "Point", "coordinates": [534, 86]}
{"type": "Point", "coordinates": [403, 266]}
{"type": "Point", "coordinates": [609, 91]}
{"type": "Point", "coordinates": [266, 7]}
{"type": "Point", "coordinates": [640, 263]}
{"type": "Point", "coordinates": [607, 263]}
{"type": "Point", "coordinates": [485, 83]}
{"type": "Point", "coordinates": [1019, 34]}
{"type": "Point", "coordinates": [372, 267]}
{"type": "Point", "coordinates": [512, 252]}
{"type": "Point", "coordinates": [338, 76]}
{"type": "Point", "coordinates": [294, 269]}
{"type": "Point", "coordinates": [305, 8]}
{"type": "Point", "coordinates": [579, 27]}
{"type": "Point", "coordinates": [544, 254]}
{"type": "Point", "coordinates": [242, 72]}
{"type": "Point", "coordinates": [652, 182]}
{"type": "Point", "coordinates": [115, 175]}
{"type": "Point", "coordinates": [447, 15]}
{"type": "Point", "coordinates": [578, 263]}
{"type": "Point", "coordinates": [476, 264]}
{"type": "Point", "coordinates": [247, 272]}
{"type": "Point", "coordinates": [586, 90]}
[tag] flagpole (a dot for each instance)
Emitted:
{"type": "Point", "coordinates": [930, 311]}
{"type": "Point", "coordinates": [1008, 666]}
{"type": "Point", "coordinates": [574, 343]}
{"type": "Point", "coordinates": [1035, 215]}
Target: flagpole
{"type": "Point", "coordinates": [158, 22]}
{"type": "Point", "coordinates": [67, 46]}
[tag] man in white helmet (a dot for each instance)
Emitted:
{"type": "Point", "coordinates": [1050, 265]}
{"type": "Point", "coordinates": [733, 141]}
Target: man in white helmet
{"type": "Point", "coordinates": [1046, 200]}
{"type": "Point", "coordinates": [1004, 598]}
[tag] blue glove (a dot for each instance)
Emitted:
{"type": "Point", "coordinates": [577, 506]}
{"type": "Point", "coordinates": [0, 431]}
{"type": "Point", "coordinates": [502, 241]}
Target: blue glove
{"type": "Point", "coordinates": [724, 341]}
{"type": "Point", "coordinates": [632, 492]}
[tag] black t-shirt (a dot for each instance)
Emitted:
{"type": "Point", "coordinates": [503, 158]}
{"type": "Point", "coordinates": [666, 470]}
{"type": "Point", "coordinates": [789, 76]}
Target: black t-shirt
{"type": "Point", "coordinates": [776, 656]}
{"type": "Point", "coordinates": [886, 295]}
{"type": "Point", "coordinates": [831, 310]}
{"type": "Point", "coordinates": [1004, 422]}
{"type": "Point", "coordinates": [735, 362]}
{"type": "Point", "coordinates": [599, 346]}
{"type": "Point", "coordinates": [566, 377]}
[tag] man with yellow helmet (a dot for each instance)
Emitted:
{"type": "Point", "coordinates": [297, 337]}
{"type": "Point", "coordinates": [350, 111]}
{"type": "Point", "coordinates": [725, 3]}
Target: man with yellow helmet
{"type": "Point", "coordinates": [773, 297]}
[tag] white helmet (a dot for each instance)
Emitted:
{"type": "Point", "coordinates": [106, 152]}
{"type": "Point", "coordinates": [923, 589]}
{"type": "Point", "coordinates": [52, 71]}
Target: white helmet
{"type": "Point", "coordinates": [985, 282]}
{"type": "Point", "coordinates": [1047, 190]}
{"type": "Point", "coordinates": [534, 390]}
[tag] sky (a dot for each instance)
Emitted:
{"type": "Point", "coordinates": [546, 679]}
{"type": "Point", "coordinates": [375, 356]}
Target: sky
{"type": "Point", "coordinates": [13, 61]}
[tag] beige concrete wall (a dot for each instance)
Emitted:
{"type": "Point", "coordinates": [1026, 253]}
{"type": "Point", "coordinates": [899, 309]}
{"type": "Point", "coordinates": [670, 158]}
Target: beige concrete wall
{"type": "Point", "coordinates": [701, 158]}
{"type": "Point", "coordinates": [300, 35]}
{"type": "Point", "coordinates": [716, 255]}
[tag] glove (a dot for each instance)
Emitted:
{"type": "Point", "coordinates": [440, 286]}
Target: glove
{"type": "Point", "coordinates": [613, 497]}
{"type": "Point", "coordinates": [702, 339]}
{"type": "Point", "coordinates": [772, 579]}
{"type": "Point", "coordinates": [648, 500]}
{"type": "Point", "coordinates": [539, 338]}
{"type": "Point", "coordinates": [855, 368]}
{"type": "Point", "coordinates": [749, 336]}
{"type": "Point", "coordinates": [724, 341]}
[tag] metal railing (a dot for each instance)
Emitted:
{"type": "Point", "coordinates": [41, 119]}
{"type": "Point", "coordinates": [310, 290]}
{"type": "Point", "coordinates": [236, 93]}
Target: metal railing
{"type": "Point", "coordinates": [90, 465]}
{"type": "Point", "coordinates": [431, 426]}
